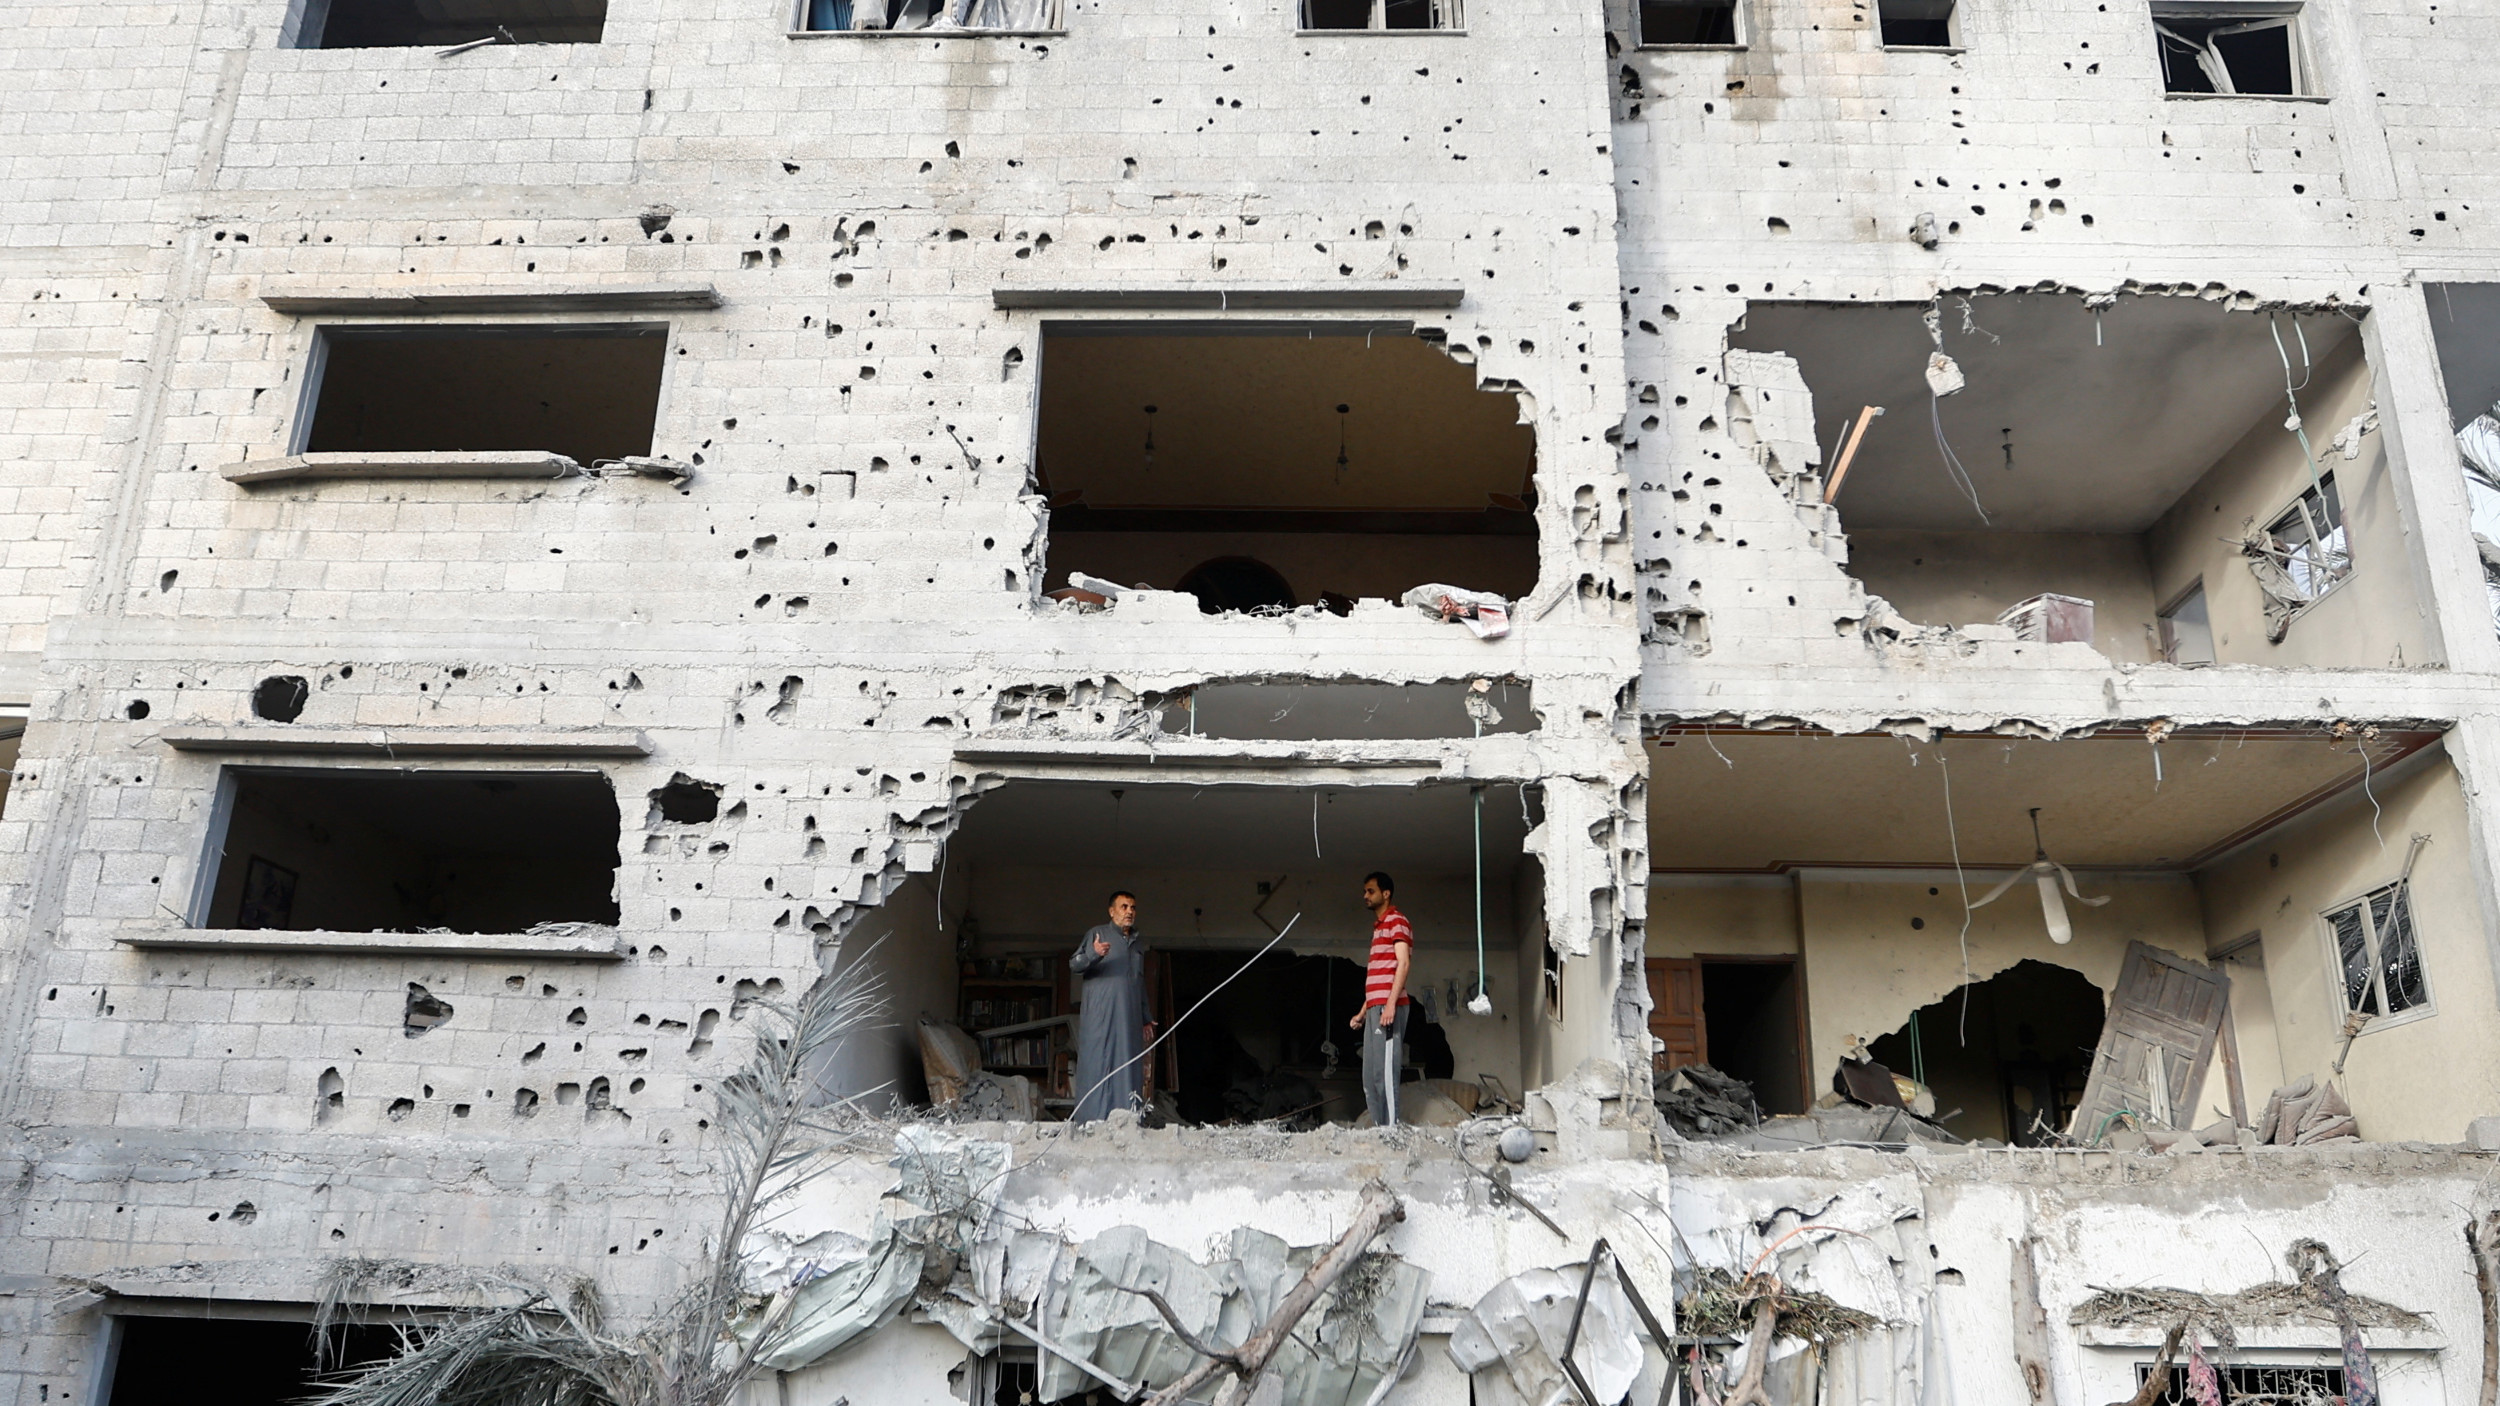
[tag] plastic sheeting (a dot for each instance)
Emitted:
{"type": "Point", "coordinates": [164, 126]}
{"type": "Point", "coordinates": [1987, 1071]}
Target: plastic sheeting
{"type": "Point", "coordinates": [1000, 1281]}
{"type": "Point", "coordinates": [1511, 1342]}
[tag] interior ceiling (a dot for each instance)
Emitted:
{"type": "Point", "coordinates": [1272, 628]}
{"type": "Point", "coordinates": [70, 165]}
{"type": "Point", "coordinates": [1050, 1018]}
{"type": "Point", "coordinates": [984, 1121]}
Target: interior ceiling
{"type": "Point", "coordinates": [2465, 326]}
{"type": "Point", "coordinates": [2106, 434]}
{"type": "Point", "coordinates": [1768, 801]}
{"type": "Point", "coordinates": [1250, 421]}
{"type": "Point", "coordinates": [1088, 825]}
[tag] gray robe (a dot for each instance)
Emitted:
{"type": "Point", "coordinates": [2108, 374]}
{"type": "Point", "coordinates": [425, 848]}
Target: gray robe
{"type": "Point", "coordinates": [1112, 1030]}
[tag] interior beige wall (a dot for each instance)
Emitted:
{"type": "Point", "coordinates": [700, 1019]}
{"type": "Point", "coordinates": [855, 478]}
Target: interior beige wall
{"type": "Point", "coordinates": [1690, 915]}
{"type": "Point", "coordinates": [2418, 1078]}
{"type": "Point", "coordinates": [2371, 619]}
{"type": "Point", "coordinates": [1867, 968]}
{"type": "Point", "coordinates": [1384, 565]}
{"type": "Point", "coordinates": [1970, 578]}
{"type": "Point", "coordinates": [1031, 908]}
{"type": "Point", "coordinates": [914, 959]}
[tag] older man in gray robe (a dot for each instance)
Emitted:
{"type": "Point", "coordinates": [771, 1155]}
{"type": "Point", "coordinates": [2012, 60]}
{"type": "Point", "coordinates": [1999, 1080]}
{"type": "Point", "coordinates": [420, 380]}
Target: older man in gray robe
{"type": "Point", "coordinates": [1112, 1032]}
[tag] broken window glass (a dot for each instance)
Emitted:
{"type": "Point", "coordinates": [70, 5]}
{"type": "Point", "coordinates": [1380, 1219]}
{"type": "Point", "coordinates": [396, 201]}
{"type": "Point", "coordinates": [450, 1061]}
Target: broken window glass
{"type": "Point", "coordinates": [1017, 16]}
{"type": "Point", "coordinates": [1381, 14]}
{"type": "Point", "coordinates": [2309, 539]}
{"type": "Point", "coordinates": [2187, 635]}
{"type": "Point", "coordinates": [2376, 948]}
{"type": "Point", "coordinates": [1915, 24]}
{"type": "Point", "coordinates": [421, 24]}
{"type": "Point", "coordinates": [1688, 22]}
{"type": "Point", "coordinates": [2228, 50]}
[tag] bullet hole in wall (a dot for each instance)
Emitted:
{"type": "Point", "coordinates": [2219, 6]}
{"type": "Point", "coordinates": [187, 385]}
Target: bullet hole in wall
{"type": "Point", "coordinates": [686, 801]}
{"type": "Point", "coordinates": [138, 709]}
{"type": "Point", "coordinates": [423, 1011]}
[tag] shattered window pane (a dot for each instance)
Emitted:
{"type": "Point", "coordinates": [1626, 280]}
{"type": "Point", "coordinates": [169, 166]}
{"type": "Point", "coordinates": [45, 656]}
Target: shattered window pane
{"type": "Point", "coordinates": [1380, 14]}
{"type": "Point", "coordinates": [2399, 959]}
{"type": "Point", "coordinates": [2352, 953]}
{"type": "Point", "coordinates": [2309, 541]}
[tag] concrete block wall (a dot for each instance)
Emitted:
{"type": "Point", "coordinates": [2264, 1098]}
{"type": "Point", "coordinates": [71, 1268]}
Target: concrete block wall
{"type": "Point", "coordinates": [855, 201]}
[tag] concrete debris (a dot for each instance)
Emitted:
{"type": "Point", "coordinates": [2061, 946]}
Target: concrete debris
{"type": "Point", "coordinates": [1944, 376]}
{"type": "Point", "coordinates": [1486, 615]}
{"type": "Point", "coordinates": [1511, 1343]}
{"type": "Point", "coordinates": [1699, 1101]}
{"type": "Point", "coordinates": [1849, 1125]}
{"type": "Point", "coordinates": [1771, 414]}
{"type": "Point", "coordinates": [646, 466]}
{"type": "Point", "coordinates": [2304, 1112]}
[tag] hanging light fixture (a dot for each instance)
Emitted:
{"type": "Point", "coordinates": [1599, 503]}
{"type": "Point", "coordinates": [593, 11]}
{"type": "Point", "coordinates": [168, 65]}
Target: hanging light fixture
{"type": "Point", "coordinates": [2045, 872]}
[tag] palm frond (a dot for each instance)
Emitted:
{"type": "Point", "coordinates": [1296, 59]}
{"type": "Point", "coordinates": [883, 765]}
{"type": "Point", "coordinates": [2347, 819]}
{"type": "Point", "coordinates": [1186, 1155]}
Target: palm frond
{"type": "Point", "coordinates": [775, 1131]}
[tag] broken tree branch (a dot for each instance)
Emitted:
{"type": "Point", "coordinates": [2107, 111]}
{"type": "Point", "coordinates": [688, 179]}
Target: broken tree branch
{"type": "Point", "coordinates": [1172, 1320]}
{"type": "Point", "coordinates": [1748, 1390]}
{"type": "Point", "coordinates": [2157, 1381]}
{"type": "Point", "coordinates": [1247, 1363]}
{"type": "Point", "coordinates": [2479, 1238]}
{"type": "Point", "coordinates": [2031, 1324]}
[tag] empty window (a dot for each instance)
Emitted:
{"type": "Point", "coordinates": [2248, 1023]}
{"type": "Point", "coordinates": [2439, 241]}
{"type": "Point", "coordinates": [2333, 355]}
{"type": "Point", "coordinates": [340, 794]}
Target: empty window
{"type": "Point", "coordinates": [229, 1359]}
{"type": "Point", "coordinates": [1380, 14]}
{"type": "Point", "coordinates": [588, 393]}
{"type": "Point", "coordinates": [2229, 50]}
{"type": "Point", "coordinates": [1915, 24]}
{"type": "Point", "coordinates": [2187, 635]}
{"type": "Point", "coordinates": [1710, 22]}
{"type": "Point", "coordinates": [422, 24]}
{"type": "Point", "coordinates": [354, 850]}
{"type": "Point", "coordinates": [2375, 950]}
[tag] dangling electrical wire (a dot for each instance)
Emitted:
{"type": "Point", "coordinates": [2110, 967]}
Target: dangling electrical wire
{"type": "Point", "coordinates": [1961, 1032]}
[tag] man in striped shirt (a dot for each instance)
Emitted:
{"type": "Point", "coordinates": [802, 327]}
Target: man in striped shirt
{"type": "Point", "coordinates": [1383, 1016]}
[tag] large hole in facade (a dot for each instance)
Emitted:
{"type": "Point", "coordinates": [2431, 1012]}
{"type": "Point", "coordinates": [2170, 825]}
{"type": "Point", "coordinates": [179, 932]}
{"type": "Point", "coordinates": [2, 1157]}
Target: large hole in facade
{"type": "Point", "coordinates": [1274, 466]}
{"type": "Point", "coordinates": [358, 850]}
{"type": "Point", "coordinates": [2121, 475]}
{"type": "Point", "coordinates": [409, 24]}
{"type": "Point", "coordinates": [586, 392]}
{"type": "Point", "coordinates": [1218, 872]}
{"type": "Point", "coordinates": [2279, 861]}
{"type": "Point", "coordinates": [232, 1358]}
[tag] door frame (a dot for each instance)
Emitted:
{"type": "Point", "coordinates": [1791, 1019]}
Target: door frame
{"type": "Point", "coordinates": [1796, 962]}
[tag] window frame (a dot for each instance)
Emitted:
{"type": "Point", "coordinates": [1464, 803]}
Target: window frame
{"type": "Point", "coordinates": [325, 332]}
{"type": "Point", "coordinates": [2361, 902]}
{"type": "Point", "coordinates": [2241, 17]}
{"type": "Point", "coordinates": [2168, 646]}
{"type": "Point", "coordinates": [1952, 26]}
{"type": "Point", "coordinates": [1738, 21]}
{"type": "Point", "coordinates": [1453, 11]}
{"type": "Point", "coordinates": [2327, 490]}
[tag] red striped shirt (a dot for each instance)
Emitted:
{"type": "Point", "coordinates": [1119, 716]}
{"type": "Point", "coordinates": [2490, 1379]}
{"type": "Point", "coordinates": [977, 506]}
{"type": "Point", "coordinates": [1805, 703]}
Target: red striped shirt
{"type": "Point", "coordinates": [1390, 931]}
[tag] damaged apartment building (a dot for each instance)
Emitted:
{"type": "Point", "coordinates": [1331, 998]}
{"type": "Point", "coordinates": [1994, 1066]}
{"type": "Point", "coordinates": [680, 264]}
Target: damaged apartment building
{"type": "Point", "coordinates": [596, 593]}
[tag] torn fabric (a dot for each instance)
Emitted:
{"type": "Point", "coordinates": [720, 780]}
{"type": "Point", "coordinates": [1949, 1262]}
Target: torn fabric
{"type": "Point", "coordinates": [1511, 1343]}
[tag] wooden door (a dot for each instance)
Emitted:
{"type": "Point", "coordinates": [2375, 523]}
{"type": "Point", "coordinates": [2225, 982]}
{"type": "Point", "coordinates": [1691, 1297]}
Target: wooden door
{"type": "Point", "coordinates": [1675, 1012]}
{"type": "Point", "coordinates": [2165, 1006]}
